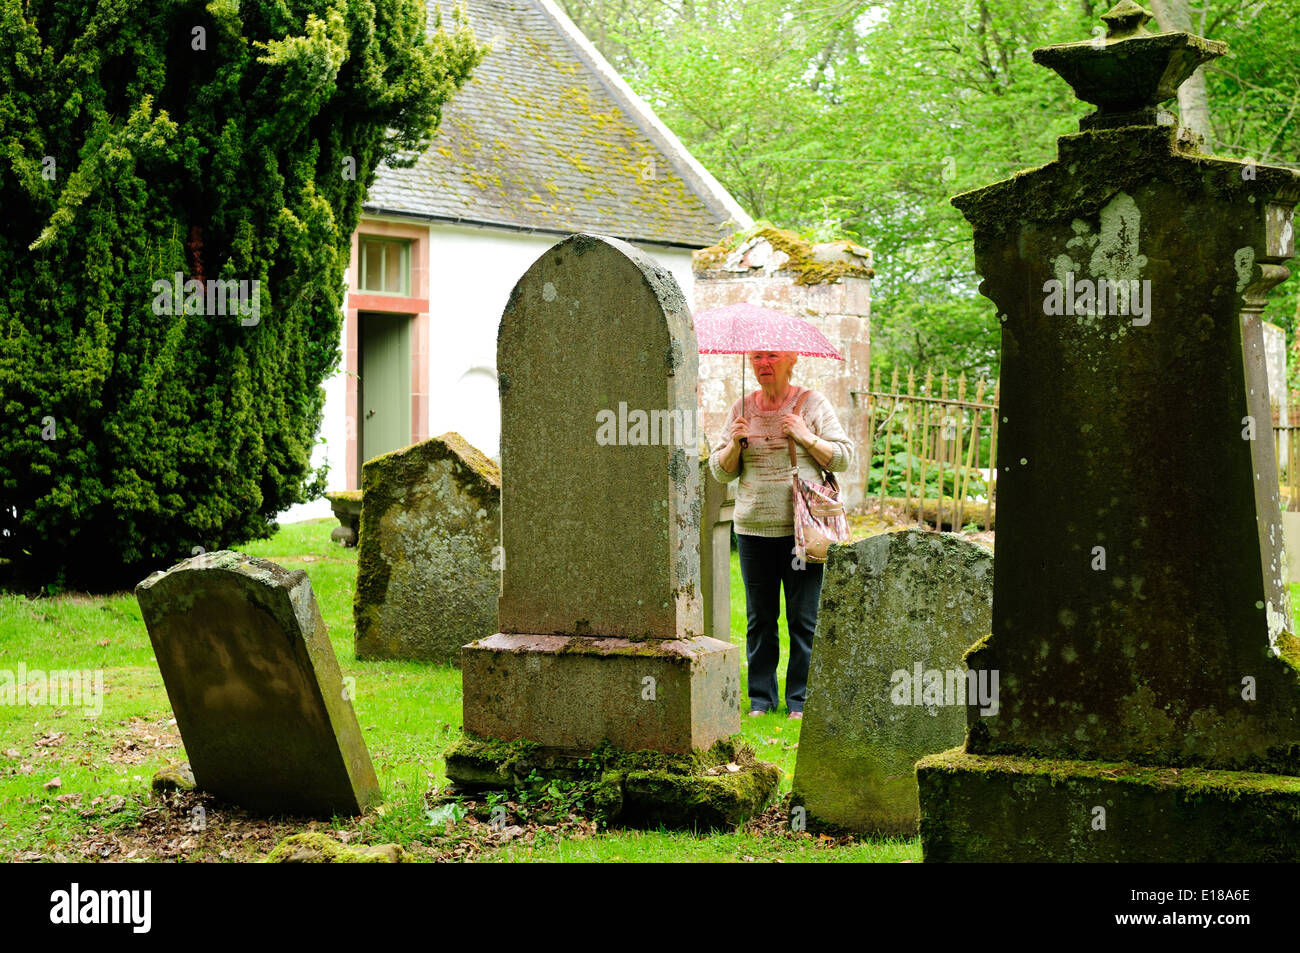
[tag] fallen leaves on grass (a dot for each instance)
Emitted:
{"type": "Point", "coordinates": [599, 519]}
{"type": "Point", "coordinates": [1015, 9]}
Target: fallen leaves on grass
{"type": "Point", "coordinates": [142, 740]}
{"type": "Point", "coordinates": [776, 821]}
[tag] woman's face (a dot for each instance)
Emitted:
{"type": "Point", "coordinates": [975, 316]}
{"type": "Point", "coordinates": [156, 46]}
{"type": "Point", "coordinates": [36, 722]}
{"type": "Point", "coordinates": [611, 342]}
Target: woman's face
{"type": "Point", "coordinates": [772, 367]}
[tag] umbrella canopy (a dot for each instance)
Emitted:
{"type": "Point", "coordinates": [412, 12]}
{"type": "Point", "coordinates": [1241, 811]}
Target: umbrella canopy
{"type": "Point", "coordinates": [741, 328]}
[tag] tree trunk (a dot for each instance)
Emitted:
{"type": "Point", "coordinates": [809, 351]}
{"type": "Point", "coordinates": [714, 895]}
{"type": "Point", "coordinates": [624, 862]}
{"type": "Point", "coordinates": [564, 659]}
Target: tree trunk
{"type": "Point", "coordinates": [1193, 98]}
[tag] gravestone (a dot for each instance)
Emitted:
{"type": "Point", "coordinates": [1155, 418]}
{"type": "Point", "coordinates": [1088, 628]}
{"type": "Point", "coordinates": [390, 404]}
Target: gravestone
{"type": "Point", "coordinates": [600, 612]}
{"type": "Point", "coordinates": [887, 684]}
{"type": "Point", "coordinates": [262, 708]}
{"type": "Point", "coordinates": [1150, 705]}
{"type": "Point", "coordinates": [429, 559]}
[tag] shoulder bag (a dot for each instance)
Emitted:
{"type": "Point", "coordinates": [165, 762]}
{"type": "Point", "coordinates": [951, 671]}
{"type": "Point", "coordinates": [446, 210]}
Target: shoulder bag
{"type": "Point", "coordinates": [819, 517]}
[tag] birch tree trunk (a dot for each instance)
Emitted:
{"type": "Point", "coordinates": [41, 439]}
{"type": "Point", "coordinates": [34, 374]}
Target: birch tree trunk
{"type": "Point", "coordinates": [1193, 99]}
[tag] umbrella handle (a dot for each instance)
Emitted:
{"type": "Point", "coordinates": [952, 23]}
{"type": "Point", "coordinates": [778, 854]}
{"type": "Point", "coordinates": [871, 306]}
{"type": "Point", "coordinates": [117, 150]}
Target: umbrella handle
{"type": "Point", "coordinates": [744, 441]}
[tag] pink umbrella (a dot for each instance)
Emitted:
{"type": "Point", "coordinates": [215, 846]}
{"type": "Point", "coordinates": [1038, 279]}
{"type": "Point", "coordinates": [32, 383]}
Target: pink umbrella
{"type": "Point", "coordinates": [741, 328]}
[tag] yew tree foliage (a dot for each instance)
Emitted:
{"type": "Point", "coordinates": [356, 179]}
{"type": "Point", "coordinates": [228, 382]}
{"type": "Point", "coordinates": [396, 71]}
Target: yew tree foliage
{"type": "Point", "coordinates": [230, 140]}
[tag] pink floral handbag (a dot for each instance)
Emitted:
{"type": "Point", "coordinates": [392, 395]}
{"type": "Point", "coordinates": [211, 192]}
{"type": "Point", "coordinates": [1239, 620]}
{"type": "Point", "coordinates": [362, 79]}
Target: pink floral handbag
{"type": "Point", "coordinates": [819, 517]}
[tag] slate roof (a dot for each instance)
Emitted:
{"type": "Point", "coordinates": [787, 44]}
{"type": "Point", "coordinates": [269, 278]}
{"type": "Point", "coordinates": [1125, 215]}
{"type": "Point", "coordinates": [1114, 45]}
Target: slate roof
{"type": "Point", "coordinates": [542, 139]}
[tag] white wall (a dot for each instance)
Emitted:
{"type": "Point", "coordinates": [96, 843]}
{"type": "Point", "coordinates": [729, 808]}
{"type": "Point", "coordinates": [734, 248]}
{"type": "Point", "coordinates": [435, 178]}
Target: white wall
{"type": "Point", "coordinates": [471, 274]}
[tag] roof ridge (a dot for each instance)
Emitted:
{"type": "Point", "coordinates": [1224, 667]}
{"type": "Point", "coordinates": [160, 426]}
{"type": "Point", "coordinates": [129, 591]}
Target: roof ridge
{"type": "Point", "coordinates": [545, 137]}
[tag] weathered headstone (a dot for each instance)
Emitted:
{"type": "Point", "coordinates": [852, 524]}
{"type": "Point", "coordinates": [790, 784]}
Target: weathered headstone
{"type": "Point", "coordinates": [887, 684]}
{"type": "Point", "coordinates": [600, 612]}
{"type": "Point", "coordinates": [262, 708]}
{"type": "Point", "coordinates": [428, 567]}
{"type": "Point", "coordinates": [1150, 700]}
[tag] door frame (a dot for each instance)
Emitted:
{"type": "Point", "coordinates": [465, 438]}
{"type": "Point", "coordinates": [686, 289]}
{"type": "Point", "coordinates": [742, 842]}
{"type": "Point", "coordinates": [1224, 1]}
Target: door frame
{"type": "Point", "coordinates": [415, 307]}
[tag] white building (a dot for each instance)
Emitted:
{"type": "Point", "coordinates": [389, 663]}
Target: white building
{"type": "Point", "coordinates": [544, 141]}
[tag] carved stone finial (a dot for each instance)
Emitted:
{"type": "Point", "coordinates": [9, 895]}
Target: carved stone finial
{"type": "Point", "coordinates": [1127, 19]}
{"type": "Point", "coordinates": [1132, 71]}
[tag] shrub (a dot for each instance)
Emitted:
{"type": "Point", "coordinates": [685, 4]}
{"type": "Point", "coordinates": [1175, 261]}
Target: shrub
{"type": "Point", "coordinates": [145, 140]}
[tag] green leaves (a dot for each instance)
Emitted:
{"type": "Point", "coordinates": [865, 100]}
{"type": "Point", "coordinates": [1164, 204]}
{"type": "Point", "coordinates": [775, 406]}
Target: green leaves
{"type": "Point", "coordinates": [152, 140]}
{"type": "Point", "coordinates": [867, 117]}
{"type": "Point", "coordinates": [453, 812]}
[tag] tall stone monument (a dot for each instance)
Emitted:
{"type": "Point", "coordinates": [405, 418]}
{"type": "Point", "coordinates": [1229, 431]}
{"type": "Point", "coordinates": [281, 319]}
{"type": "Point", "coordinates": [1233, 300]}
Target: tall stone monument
{"type": "Point", "coordinates": [600, 612]}
{"type": "Point", "coordinates": [1150, 678]}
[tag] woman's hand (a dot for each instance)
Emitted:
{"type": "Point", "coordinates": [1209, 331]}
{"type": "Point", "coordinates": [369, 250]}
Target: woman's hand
{"type": "Point", "coordinates": [793, 425]}
{"type": "Point", "coordinates": [730, 459]}
{"type": "Point", "coordinates": [739, 430]}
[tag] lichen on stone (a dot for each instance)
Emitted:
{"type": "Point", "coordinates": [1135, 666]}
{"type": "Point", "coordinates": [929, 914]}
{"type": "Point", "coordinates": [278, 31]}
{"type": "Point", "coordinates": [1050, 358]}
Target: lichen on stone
{"type": "Point", "coordinates": [802, 259]}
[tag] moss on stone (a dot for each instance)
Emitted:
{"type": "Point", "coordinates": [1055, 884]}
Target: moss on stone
{"type": "Point", "coordinates": [173, 777]}
{"type": "Point", "coordinates": [1229, 783]}
{"type": "Point", "coordinates": [314, 847]}
{"type": "Point", "coordinates": [634, 788]}
{"type": "Point", "coordinates": [636, 644]}
{"type": "Point", "coordinates": [725, 800]}
{"type": "Point", "coordinates": [803, 262]}
{"type": "Point", "coordinates": [996, 808]}
{"type": "Point", "coordinates": [1093, 166]}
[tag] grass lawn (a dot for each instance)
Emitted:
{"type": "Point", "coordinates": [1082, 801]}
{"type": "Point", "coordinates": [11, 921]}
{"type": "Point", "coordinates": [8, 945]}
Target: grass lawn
{"type": "Point", "coordinates": [76, 786]}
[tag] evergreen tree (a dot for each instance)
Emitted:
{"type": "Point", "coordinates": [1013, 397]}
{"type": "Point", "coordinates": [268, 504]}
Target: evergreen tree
{"type": "Point", "coordinates": [223, 147]}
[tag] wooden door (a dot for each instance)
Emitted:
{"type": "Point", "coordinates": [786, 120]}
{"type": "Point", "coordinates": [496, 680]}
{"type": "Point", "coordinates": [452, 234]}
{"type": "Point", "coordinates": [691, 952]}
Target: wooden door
{"type": "Point", "coordinates": [384, 388]}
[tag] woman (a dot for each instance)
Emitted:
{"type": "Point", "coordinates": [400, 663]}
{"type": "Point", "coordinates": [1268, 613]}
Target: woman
{"type": "Point", "coordinates": [764, 518]}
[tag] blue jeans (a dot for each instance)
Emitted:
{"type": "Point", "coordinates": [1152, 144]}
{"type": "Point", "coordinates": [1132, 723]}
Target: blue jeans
{"type": "Point", "coordinates": [766, 564]}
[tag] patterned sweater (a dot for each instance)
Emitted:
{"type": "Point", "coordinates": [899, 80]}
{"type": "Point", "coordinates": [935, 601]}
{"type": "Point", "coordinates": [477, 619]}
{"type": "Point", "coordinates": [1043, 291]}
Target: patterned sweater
{"type": "Point", "coordinates": [764, 497]}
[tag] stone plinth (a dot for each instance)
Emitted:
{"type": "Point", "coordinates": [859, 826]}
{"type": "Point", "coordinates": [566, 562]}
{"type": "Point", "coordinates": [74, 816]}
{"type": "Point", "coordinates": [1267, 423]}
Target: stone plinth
{"type": "Point", "coordinates": [259, 699]}
{"type": "Point", "coordinates": [1024, 810]}
{"type": "Point", "coordinates": [428, 564]}
{"type": "Point", "coordinates": [346, 506]}
{"type": "Point", "coordinates": [572, 693]}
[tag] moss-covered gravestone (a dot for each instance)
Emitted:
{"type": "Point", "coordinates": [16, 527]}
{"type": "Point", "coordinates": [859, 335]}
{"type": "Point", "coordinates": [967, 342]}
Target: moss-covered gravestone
{"type": "Point", "coordinates": [262, 708]}
{"type": "Point", "coordinates": [887, 684]}
{"type": "Point", "coordinates": [600, 653]}
{"type": "Point", "coordinates": [428, 565]}
{"type": "Point", "coordinates": [1150, 677]}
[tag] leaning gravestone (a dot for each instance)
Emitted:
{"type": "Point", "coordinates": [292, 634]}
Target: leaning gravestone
{"type": "Point", "coordinates": [600, 613]}
{"type": "Point", "coordinates": [259, 700]}
{"type": "Point", "coordinates": [429, 558]}
{"type": "Point", "coordinates": [1150, 703]}
{"type": "Point", "coordinates": [887, 684]}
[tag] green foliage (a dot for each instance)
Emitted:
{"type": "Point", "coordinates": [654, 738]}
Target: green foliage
{"type": "Point", "coordinates": [139, 141]}
{"type": "Point", "coordinates": [892, 447]}
{"type": "Point", "coordinates": [545, 800]}
{"type": "Point", "coordinates": [452, 812]}
{"type": "Point", "coordinates": [867, 117]}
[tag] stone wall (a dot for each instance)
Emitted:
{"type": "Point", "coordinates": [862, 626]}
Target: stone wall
{"type": "Point", "coordinates": [828, 285]}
